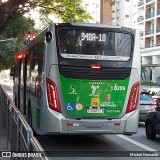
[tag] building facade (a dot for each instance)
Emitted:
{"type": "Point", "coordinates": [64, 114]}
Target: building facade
{"type": "Point", "coordinates": [124, 13]}
{"type": "Point", "coordinates": [149, 21]}
{"type": "Point", "coordinates": [100, 11]}
{"type": "Point", "coordinates": [143, 15]}
{"type": "Point", "coordinates": [93, 7]}
{"type": "Point", "coordinates": [105, 12]}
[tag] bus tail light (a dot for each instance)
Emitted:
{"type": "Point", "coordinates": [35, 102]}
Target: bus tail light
{"type": "Point", "coordinates": [95, 67]}
{"type": "Point", "coordinates": [153, 103]}
{"type": "Point", "coordinates": [134, 98]}
{"type": "Point", "coordinates": [52, 95]}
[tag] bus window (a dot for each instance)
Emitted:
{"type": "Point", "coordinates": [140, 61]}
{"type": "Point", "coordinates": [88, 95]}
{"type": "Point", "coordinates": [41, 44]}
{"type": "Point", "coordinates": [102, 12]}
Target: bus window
{"type": "Point", "coordinates": [94, 42]}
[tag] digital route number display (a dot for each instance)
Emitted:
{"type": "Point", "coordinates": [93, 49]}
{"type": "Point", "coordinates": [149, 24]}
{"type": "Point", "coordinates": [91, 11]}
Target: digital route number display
{"type": "Point", "coordinates": [93, 37]}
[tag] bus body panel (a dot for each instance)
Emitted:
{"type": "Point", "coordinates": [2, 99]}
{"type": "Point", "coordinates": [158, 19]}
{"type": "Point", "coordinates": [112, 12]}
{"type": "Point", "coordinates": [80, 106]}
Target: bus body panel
{"type": "Point", "coordinates": [94, 98]}
{"type": "Point", "coordinates": [62, 125]}
{"type": "Point", "coordinates": [136, 58]}
{"type": "Point", "coordinates": [122, 124]}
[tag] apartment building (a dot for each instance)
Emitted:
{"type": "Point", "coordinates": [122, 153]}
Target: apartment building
{"type": "Point", "coordinates": [100, 11]}
{"type": "Point", "coordinates": [124, 13]}
{"type": "Point", "coordinates": [149, 22]}
{"type": "Point", "coordinates": [105, 12]}
{"type": "Point", "coordinates": [93, 7]}
{"type": "Point", "coordinates": [143, 15]}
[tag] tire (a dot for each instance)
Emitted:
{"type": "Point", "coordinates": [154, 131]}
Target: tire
{"type": "Point", "coordinates": [150, 131]}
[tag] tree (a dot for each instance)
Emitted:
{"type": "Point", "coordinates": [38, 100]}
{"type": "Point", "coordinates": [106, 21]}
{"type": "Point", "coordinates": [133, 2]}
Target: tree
{"type": "Point", "coordinates": [66, 10]}
{"type": "Point", "coordinates": [111, 2]}
{"type": "Point", "coordinates": [14, 24]}
{"type": "Point", "coordinates": [16, 27]}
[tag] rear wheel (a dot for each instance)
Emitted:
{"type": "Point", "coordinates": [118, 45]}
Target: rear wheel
{"type": "Point", "coordinates": [150, 131]}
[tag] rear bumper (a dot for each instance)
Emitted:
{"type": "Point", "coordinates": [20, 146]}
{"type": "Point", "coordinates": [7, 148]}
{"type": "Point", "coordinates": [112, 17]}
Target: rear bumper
{"type": "Point", "coordinates": [128, 124]}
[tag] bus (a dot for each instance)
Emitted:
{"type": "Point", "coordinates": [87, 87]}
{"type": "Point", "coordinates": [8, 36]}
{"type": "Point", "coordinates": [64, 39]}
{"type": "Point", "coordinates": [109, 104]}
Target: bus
{"type": "Point", "coordinates": [79, 78]}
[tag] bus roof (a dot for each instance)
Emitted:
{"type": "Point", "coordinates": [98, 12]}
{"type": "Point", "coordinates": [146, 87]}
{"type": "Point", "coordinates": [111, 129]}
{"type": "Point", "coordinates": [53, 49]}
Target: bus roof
{"type": "Point", "coordinates": [89, 25]}
{"type": "Point", "coordinates": [96, 25]}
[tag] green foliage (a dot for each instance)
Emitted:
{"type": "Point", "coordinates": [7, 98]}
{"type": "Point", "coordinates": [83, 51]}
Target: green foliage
{"type": "Point", "coordinates": [16, 28]}
{"type": "Point", "coordinates": [66, 10]}
{"type": "Point", "coordinates": [15, 25]}
{"type": "Point", "coordinates": [111, 2]}
{"type": "Point", "coordinates": [18, 25]}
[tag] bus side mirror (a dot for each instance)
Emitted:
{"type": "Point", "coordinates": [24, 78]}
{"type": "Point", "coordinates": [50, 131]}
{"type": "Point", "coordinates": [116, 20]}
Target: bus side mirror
{"type": "Point", "coordinates": [48, 36]}
{"type": "Point", "coordinates": [12, 71]}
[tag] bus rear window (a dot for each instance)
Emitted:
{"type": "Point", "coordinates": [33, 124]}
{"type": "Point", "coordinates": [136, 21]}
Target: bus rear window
{"type": "Point", "coordinates": [94, 44]}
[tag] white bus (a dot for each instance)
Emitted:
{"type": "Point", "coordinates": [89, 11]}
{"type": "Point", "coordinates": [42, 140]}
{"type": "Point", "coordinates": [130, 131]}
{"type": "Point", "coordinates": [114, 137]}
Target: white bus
{"type": "Point", "coordinates": [76, 78]}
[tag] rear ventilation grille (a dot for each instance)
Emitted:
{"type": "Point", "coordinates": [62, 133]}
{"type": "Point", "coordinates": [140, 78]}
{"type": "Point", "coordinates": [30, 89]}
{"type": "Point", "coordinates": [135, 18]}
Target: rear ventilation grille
{"type": "Point", "coordinates": [87, 73]}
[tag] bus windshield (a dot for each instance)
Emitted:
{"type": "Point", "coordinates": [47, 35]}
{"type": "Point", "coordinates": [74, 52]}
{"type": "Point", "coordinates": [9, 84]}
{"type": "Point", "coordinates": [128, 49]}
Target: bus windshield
{"type": "Point", "coordinates": [94, 44]}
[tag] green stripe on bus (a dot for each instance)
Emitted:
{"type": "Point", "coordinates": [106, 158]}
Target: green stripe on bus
{"type": "Point", "coordinates": [94, 97]}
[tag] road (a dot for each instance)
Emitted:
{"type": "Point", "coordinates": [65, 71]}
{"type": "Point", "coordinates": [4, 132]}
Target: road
{"type": "Point", "coordinates": [113, 143]}
{"type": "Point", "coordinates": [111, 147]}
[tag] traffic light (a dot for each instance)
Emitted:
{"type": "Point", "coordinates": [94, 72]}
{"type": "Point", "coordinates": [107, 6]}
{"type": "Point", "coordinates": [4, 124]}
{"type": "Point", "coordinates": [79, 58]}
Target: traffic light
{"type": "Point", "coordinates": [30, 37]}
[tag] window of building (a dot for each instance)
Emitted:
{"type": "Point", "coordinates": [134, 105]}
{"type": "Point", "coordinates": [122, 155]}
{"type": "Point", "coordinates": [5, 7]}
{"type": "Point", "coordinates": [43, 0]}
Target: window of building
{"type": "Point", "coordinates": [127, 0]}
{"type": "Point", "coordinates": [151, 42]}
{"type": "Point", "coordinates": [127, 16]}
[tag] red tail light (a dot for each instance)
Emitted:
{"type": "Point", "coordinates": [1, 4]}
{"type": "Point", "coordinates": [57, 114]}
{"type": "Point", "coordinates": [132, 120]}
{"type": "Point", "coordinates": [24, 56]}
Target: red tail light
{"type": "Point", "coordinates": [153, 103]}
{"type": "Point", "coordinates": [134, 98]}
{"type": "Point", "coordinates": [52, 95]}
{"type": "Point", "coordinates": [95, 67]}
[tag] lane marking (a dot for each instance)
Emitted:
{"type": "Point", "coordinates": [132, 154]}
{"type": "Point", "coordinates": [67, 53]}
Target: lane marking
{"type": "Point", "coordinates": [137, 143]}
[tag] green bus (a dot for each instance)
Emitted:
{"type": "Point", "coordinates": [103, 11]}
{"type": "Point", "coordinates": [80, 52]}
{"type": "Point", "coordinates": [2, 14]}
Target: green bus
{"type": "Point", "coordinates": [80, 78]}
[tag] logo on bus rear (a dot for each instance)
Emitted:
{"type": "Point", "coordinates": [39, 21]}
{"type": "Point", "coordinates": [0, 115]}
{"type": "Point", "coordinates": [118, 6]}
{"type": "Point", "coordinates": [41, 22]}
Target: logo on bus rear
{"type": "Point", "coordinates": [70, 106]}
{"type": "Point", "coordinates": [95, 102]}
{"type": "Point", "coordinates": [79, 106]}
{"type": "Point", "coordinates": [73, 89]}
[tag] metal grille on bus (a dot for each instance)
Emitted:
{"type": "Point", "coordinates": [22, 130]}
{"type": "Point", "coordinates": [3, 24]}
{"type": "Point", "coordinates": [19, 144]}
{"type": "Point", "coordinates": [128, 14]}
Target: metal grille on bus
{"type": "Point", "coordinates": [87, 73]}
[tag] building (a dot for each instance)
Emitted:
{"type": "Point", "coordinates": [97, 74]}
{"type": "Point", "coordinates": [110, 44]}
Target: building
{"type": "Point", "coordinates": [105, 12]}
{"type": "Point", "coordinates": [124, 13]}
{"type": "Point", "coordinates": [143, 15]}
{"type": "Point", "coordinates": [149, 21]}
{"type": "Point", "coordinates": [93, 7]}
{"type": "Point", "coordinates": [100, 11]}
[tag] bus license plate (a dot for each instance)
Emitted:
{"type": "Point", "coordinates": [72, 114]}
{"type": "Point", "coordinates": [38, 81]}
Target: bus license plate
{"type": "Point", "coordinates": [95, 110]}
